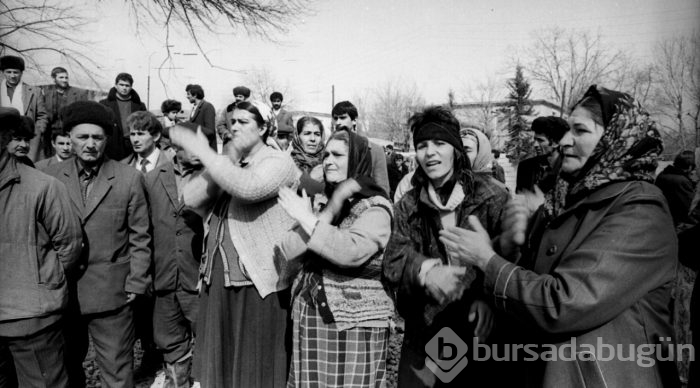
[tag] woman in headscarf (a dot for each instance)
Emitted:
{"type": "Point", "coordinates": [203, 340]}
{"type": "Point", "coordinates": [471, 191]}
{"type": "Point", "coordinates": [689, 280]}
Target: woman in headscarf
{"type": "Point", "coordinates": [433, 290]}
{"type": "Point", "coordinates": [597, 268]}
{"type": "Point", "coordinates": [341, 309]}
{"type": "Point", "coordinates": [243, 320]}
{"type": "Point", "coordinates": [308, 145]}
{"type": "Point", "coordinates": [478, 149]}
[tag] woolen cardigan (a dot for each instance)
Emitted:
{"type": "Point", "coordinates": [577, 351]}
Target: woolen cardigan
{"type": "Point", "coordinates": [256, 220]}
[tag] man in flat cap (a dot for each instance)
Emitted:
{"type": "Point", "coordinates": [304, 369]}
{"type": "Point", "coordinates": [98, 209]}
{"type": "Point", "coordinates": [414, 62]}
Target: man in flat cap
{"type": "Point", "coordinates": [39, 244]}
{"type": "Point", "coordinates": [223, 124]}
{"type": "Point", "coordinates": [110, 199]}
{"type": "Point", "coordinates": [540, 170]}
{"type": "Point", "coordinates": [25, 98]}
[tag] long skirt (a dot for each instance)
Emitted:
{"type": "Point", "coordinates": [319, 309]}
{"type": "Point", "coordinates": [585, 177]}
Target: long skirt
{"type": "Point", "coordinates": [324, 356]}
{"type": "Point", "coordinates": [242, 339]}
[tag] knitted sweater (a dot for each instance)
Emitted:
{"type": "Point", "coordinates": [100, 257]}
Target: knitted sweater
{"type": "Point", "coordinates": [255, 219]}
{"type": "Point", "coordinates": [345, 264]}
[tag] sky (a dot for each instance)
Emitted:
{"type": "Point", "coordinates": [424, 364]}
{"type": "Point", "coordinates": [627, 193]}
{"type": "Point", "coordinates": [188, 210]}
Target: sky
{"type": "Point", "coordinates": [361, 44]}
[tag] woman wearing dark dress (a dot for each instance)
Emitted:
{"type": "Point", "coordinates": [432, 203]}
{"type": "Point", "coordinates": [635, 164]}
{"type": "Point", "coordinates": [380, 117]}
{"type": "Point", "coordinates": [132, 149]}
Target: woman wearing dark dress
{"type": "Point", "coordinates": [243, 326]}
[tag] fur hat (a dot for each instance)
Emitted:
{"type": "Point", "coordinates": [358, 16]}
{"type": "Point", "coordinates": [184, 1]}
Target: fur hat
{"type": "Point", "coordinates": [9, 119]}
{"type": "Point", "coordinates": [242, 90]}
{"type": "Point", "coordinates": [87, 112]}
{"type": "Point", "coordinates": [11, 62]}
{"type": "Point", "coordinates": [25, 129]}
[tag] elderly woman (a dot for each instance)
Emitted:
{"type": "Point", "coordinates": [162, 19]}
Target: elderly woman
{"type": "Point", "coordinates": [341, 309]}
{"type": "Point", "coordinates": [308, 145]}
{"type": "Point", "coordinates": [434, 290]}
{"type": "Point", "coordinates": [244, 296]}
{"type": "Point", "coordinates": [597, 268]}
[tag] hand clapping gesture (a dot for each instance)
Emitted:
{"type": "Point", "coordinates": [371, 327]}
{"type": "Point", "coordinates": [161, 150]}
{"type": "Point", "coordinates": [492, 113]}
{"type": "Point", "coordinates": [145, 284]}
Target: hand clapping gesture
{"type": "Point", "coordinates": [299, 208]}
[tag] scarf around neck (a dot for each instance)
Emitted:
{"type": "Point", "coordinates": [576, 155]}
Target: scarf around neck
{"type": "Point", "coordinates": [304, 160]}
{"type": "Point", "coordinates": [17, 101]}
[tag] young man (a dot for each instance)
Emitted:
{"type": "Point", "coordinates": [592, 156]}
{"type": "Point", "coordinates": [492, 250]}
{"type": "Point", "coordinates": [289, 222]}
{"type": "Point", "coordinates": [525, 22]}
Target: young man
{"type": "Point", "coordinates": [223, 125]}
{"type": "Point", "coordinates": [110, 199]}
{"type": "Point", "coordinates": [540, 170]}
{"type": "Point", "coordinates": [144, 133]}
{"type": "Point", "coordinates": [177, 249]}
{"type": "Point", "coordinates": [39, 244]}
{"type": "Point", "coordinates": [122, 100]}
{"type": "Point", "coordinates": [60, 141]}
{"type": "Point", "coordinates": [26, 99]}
{"type": "Point", "coordinates": [203, 112]}
{"type": "Point", "coordinates": [283, 119]}
{"type": "Point", "coordinates": [344, 117]}
{"type": "Point", "coordinates": [55, 98]}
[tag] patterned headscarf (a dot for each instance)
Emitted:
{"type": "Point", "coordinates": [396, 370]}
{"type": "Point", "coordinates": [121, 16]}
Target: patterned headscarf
{"type": "Point", "coordinates": [627, 151]}
{"type": "Point", "coordinates": [304, 160]}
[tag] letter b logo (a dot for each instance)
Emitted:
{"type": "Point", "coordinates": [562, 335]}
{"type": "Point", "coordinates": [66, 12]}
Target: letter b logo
{"type": "Point", "coordinates": [446, 355]}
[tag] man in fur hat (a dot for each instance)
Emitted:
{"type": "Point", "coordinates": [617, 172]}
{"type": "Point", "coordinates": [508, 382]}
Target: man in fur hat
{"type": "Point", "coordinates": [223, 125]}
{"type": "Point", "coordinates": [25, 98]}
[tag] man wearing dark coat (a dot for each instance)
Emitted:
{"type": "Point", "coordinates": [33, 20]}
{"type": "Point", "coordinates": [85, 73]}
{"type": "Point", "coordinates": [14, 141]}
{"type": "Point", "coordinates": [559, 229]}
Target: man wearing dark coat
{"type": "Point", "coordinates": [203, 112]}
{"type": "Point", "coordinates": [40, 241]}
{"type": "Point", "coordinates": [540, 170]}
{"type": "Point", "coordinates": [110, 199]}
{"type": "Point", "coordinates": [122, 100]}
{"type": "Point", "coordinates": [674, 181]}
{"type": "Point", "coordinates": [55, 98]}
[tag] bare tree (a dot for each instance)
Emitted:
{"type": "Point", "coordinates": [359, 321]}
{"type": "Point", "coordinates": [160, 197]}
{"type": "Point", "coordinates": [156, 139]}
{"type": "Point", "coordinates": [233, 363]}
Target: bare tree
{"type": "Point", "coordinates": [41, 30]}
{"type": "Point", "coordinates": [484, 101]}
{"type": "Point", "coordinates": [565, 62]}
{"type": "Point", "coordinates": [677, 64]}
{"type": "Point", "coordinates": [393, 103]}
{"type": "Point", "coordinates": [262, 83]}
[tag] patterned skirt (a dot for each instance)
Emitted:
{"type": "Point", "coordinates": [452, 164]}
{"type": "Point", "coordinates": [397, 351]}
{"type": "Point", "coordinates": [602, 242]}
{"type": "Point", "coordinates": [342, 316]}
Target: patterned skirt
{"type": "Point", "coordinates": [324, 356]}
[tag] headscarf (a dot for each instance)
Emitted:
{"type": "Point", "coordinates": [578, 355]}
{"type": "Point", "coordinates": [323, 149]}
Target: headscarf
{"type": "Point", "coordinates": [359, 168]}
{"type": "Point", "coordinates": [304, 160]}
{"type": "Point", "coordinates": [627, 151]}
{"type": "Point", "coordinates": [483, 162]}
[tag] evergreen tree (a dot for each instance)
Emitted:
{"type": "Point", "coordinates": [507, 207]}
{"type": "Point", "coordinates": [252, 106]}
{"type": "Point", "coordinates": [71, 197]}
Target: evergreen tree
{"type": "Point", "coordinates": [520, 143]}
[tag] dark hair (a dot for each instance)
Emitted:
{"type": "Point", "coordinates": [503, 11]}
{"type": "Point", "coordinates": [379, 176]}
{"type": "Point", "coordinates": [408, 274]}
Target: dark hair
{"type": "Point", "coordinates": [195, 90]}
{"type": "Point", "coordinates": [554, 128]}
{"type": "Point", "coordinates": [58, 70]}
{"type": "Point", "coordinates": [461, 167]}
{"type": "Point", "coordinates": [144, 121]}
{"type": "Point", "coordinates": [308, 120]}
{"type": "Point", "coordinates": [685, 160]}
{"type": "Point", "coordinates": [276, 96]}
{"type": "Point", "coordinates": [496, 153]}
{"type": "Point", "coordinates": [592, 105]}
{"type": "Point", "coordinates": [56, 134]}
{"type": "Point", "coordinates": [170, 106]}
{"type": "Point", "coordinates": [124, 77]}
{"type": "Point", "coordinates": [248, 106]}
{"type": "Point", "coordinates": [5, 138]}
{"type": "Point", "coordinates": [344, 107]}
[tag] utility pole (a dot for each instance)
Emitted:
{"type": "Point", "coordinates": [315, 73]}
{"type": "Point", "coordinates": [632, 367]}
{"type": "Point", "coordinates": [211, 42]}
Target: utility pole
{"type": "Point", "coordinates": [332, 96]}
{"type": "Point", "coordinates": [563, 98]}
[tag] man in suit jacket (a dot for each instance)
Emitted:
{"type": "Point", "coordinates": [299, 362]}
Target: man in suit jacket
{"type": "Point", "coordinates": [144, 134]}
{"type": "Point", "coordinates": [111, 202]}
{"type": "Point", "coordinates": [26, 99]}
{"type": "Point", "coordinates": [56, 97]}
{"type": "Point", "coordinates": [122, 100]}
{"type": "Point", "coordinates": [177, 249]}
{"type": "Point", "coordinates": [203, 112]}
{"type": "Point", "coordinates": [60, 141]}
{"type": "Point", "coordinates": [40, 240]}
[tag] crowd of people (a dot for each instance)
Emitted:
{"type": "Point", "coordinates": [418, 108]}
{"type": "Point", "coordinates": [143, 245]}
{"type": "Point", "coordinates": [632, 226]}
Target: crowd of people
{"type": "Point", "coordinates": [244, 248]}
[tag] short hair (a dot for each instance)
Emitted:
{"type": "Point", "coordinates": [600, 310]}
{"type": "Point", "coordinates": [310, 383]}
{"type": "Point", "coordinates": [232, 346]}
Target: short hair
{"type": "Point", "coordinates": [124, 77]}
{"type": "Point", "coordinates": [308, 120]}
{"type": "Point", "coordinates": [552, 127]}
{"type": "Point", "coordinates": [58, 70]}
{"type": "Point", "coordinates": [389, 147]}
{"type": "Point", "coordinates": [276, 96]}
{"type": "Point", "coordinates": [195, 90]}
{"type": "Point", "coordinates": [144, 121]}
{"type": "Point", "coordinates": [344, 107]}
{"type": "Point", "coordinates": [56, 134]}
{"type": "Point", "coordinates": [685, 160]}
{"type": "Point", "coordinates": [170, 106]}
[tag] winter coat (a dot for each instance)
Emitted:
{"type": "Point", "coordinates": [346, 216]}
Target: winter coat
{"type": "Point", "coordinates": [118, 145]}
{"type": "Point", "coordinates": [678, 190]}
{"type": "Point", "coordinates": [40, 241]}
{"type": "Point", "coordinates": [602, 271]}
